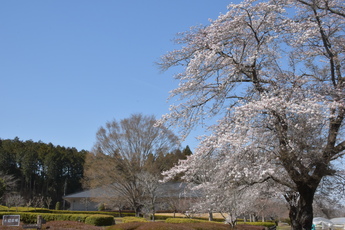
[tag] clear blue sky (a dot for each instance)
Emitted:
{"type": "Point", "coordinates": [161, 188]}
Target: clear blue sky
{"type": "Point", "coordinates": [69, 66]}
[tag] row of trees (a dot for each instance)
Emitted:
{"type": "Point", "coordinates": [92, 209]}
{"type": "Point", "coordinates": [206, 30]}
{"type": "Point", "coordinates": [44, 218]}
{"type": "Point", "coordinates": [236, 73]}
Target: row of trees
{"type": "Point", "coordinates": [128, 157]}
{"type": "Point", "coordinates": [40, 170]}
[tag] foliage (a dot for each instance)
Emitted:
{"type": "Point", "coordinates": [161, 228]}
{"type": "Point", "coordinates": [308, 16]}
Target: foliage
{"type": "Point", "coordinates": [100, 220]}
{"type": "Point", "coordinates": [42, 210]}
{"type": "Point", "coordinates": [53, 170]}
{"type": "Point", "coordinates": [221, 220]}
{"type": "Point", "coordinates": [133, 219]}
{"type": "Point", "coordinates": [101, 207]}
{"type": "Point", "coordinates": [58, 205]}
{"type": "Point", "coordinates": [115, 214]}
{"type": "Point", "coordinates": [2, 187]}
{"type": "Point", "coordinates": [271, 73]}
{"type": "Point", "coordinates": [38, 210]}
{"type": "Point", "coordinates": [31, 218]}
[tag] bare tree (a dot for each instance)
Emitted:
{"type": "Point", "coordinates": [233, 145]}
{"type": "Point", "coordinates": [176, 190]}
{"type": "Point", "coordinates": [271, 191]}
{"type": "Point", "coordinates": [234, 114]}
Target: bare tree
{"type": "Point", "coordinates": [150, 184]}
{"type": "Point", "coordinates": [38, 202]}
{"type": "Point", "coordinates": [14, 200]}
{"type": "Point", "coordinates": [120, 153]}
{"type": "Point", "coordinates": [48, 201]}
{"type": "Point", "coordinates": [29, 203]}
{"type": "Point", "coordinates": [7, 184]}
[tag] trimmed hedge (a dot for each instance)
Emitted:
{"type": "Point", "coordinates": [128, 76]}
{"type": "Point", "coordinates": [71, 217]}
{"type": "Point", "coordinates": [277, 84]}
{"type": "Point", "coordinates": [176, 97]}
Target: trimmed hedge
{"type": "Point", "coordinates": [24, 209]}
{"type": "Point", "coordinates": [133, 219]}
{"type": "Point", "coordinates": [115, 214]}
{"type": "Point", "coordinates": [44, 210]}
{"type": "Point", "coordinates": [220, 220]}
{"type": "Point", "coordinates": [100, 220]}
{"type": "Point", "coordinates": [31, 218]}
{"type": "Point", "coordinates": [160, 217]}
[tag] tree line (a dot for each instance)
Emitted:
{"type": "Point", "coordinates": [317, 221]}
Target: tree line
{"type": "Point", "coordinates": [40, 169]}
{"type": "Point", "coordinates": [37, 171]}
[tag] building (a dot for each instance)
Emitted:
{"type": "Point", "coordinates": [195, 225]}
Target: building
{"type": "Point", "coordinates": [87, 200]}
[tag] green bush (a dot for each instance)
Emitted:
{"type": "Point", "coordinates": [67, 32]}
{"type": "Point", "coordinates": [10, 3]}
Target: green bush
{"type": "Point", "coordinates": [100, 220]}
{"type": "Point", "coordinates": [101, 207]}
{"type": "Point", "coordinates": [184, 220]}
{"type": "Point", "coordinates": [44, 210]}
{"type": "Point", "coordinates": [221, 220]}
{"type": "Point", "coordinates": [115, 214]}
{"type": "Point", "coordinates": [58, 206]}
{"type": "Point", "coordinates": [31, 218]}
{"type": "Point", "coordinates": [288, 221]}
{"type": "Point", "coordinates": [160, 217]}
{"type": "Point", "coordinates": [78, 217]}
{"type": "Point", "coordinates": [130, 219]}
{"type": "Point", "coordinates": [39, 210]}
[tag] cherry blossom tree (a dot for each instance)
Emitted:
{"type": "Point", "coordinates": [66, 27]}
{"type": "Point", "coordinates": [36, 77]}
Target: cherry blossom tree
{"type": "Point", "coordinates": [271, 73]}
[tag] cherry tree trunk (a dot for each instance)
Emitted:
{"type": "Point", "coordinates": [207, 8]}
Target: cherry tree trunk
{"type": "Point", "coordinates": [137, 210]}
{"type": "Point", "coordinates": [301, 210]}
{"type": "Point", "coordinates": [210, 216]}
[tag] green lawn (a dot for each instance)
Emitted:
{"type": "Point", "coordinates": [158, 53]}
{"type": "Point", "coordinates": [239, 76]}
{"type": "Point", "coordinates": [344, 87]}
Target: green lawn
{"type": "Point", "coordinates": [284, 227]}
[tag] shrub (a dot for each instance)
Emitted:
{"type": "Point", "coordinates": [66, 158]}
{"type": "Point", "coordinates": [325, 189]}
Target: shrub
{"type": "Point", "coordinates": [31, 218]}
{"type": "Point", "coordinates": [25, 217]}
{"type": "Point", "coordinates": [133, 219]}
{"type": "Point", "coordinates": [161, 217]}
{"type": "Point", "coordinates": [288, 221]}
{"type": "Point", "coordinates": [115, 214]}
{"type": "Point", "coordinates": [78, 217]}
{"type": "Point", "coordinates": [58, 206]}
{"type": "Point", "coordinates": [100, 220]}
{"type": "Point", "coordinates": [39, 210]}
{"type": "Point", "coordinates": [101, 207]}
{"type": "Point", "coordinates": [221, 220]}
